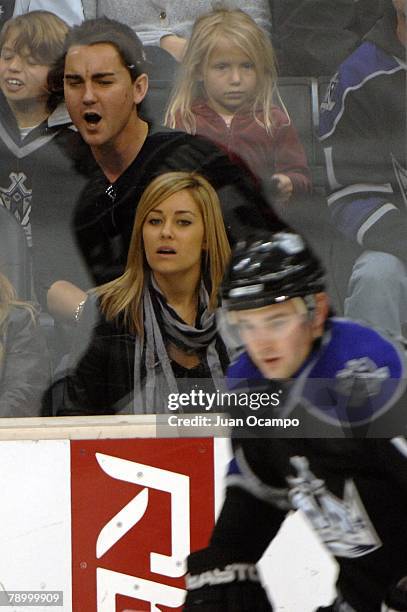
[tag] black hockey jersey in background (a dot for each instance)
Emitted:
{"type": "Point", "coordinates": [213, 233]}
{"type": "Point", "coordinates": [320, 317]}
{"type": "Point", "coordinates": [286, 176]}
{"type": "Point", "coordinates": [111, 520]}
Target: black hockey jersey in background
{"type": "Point", "coordinates": [363, 134]}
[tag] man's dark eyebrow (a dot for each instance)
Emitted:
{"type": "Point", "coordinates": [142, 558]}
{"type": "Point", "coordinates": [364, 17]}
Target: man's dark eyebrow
{"type": "Point", "coordinates": [97, 75]}
{"type": "Point", "coordinates": [102, 75]}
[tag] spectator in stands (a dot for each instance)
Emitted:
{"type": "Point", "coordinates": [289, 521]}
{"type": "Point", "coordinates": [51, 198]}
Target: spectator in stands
{"type": "Point", "coordinates": [24, 364]}
{"type": "Point", "coordinates": [105, 82]}
{"type": "Point", "coordinates": [70, 11]}
{"type": "Point", "coordinates": [363, 132]}
{"type": "Point", "coordinates": [225, 92]}
{"type": "Point", "coordinates": [157, 322]}
{"type": "Point", "coordinates": [168, 24]}
{"type": "Point", "coordinates": [38, 181]}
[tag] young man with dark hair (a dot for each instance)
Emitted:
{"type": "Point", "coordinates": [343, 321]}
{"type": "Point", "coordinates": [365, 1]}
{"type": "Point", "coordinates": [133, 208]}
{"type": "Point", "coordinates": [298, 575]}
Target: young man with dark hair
{"type": "Point", "coordinates": [352, 489]}
{"type": "Point", "coordinates": [104, 85]}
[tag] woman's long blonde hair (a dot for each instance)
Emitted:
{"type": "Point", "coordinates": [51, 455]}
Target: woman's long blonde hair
{"type": "Point", "coordinates": [240, 30]}
{"type": "Point", "coordinates": [8, 299]}
{"type": "Point", "coordinates": [123, 296]}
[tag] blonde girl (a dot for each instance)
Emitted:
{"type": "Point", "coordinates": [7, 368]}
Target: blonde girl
{"type": "Point", "coordinates": [225, 91]}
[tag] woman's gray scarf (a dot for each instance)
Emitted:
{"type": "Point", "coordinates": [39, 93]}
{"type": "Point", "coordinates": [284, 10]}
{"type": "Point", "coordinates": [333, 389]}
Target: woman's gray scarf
{"type": "Point", "coordinates": [151, 393]}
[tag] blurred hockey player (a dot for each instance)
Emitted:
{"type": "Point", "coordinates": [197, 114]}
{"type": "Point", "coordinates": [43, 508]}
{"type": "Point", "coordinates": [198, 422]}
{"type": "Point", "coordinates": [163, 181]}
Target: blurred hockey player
{"type": "Point", "coordinates": [353, 490]}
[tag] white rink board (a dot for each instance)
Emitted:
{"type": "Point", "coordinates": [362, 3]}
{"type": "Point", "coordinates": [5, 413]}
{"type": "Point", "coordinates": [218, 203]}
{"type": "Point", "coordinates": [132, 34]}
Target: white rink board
{"type": "Point", "coordinates": [298, 572]}
{"type": "Point", "coordinates": [35, 519]}
{"type": "Point", "coordinates": [35, 532]}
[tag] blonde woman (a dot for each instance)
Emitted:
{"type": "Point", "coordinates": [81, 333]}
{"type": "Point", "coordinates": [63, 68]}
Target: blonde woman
{"type": "Point", "coordinates": [225, 92]}
{"type": "Point", "coordinates": [157, 330]}
{"type": "Point", "coordinates": [24, 364]}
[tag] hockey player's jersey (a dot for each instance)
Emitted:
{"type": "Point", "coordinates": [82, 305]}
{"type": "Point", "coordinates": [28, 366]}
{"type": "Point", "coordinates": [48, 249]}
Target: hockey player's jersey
{"type": "Point", "coordinates": [352, 490]}
{"type": "Point", "coordinates": [363, 133]}
{"type": "Point", "coordinates": [355, 377]}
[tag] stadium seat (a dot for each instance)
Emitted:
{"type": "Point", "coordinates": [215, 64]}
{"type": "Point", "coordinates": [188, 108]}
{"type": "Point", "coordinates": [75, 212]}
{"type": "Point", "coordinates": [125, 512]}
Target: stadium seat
{"type": "Point", "coordinates": [299, 95]}
{"type": "Point", "coordinates": [302, 99]}
{"type": "Point", "coordinates": [153, 106]}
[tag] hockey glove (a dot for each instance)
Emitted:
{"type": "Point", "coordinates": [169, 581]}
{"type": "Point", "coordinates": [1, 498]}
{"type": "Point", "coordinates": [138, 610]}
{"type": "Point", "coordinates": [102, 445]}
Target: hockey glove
{"type": "Point", "coordinates": [214, 585]}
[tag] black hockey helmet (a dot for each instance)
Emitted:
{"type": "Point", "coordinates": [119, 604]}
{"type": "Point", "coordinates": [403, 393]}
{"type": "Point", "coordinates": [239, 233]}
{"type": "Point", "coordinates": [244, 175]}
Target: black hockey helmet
{"type": "Point", "coordinates": [268, 268]}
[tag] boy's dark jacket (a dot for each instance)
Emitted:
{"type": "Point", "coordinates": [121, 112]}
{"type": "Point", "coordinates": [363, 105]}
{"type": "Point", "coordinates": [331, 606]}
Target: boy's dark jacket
{"type": "Point", "coordinates": [40, 184]}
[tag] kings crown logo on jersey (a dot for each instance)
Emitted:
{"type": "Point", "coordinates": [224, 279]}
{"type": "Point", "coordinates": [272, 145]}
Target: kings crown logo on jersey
{"type": "Point", "coordinates": [329, 101]}
{"type": "Point", "coordinates": [342, 524]}
{"type": "Point", "coordinates": [360, 379]}
{"type": "Point", "coordinates": [17, 199]}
